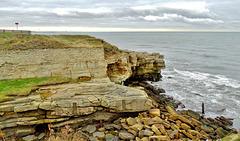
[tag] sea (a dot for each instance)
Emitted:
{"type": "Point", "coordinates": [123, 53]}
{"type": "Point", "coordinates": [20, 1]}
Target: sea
{"type": "Point", "coordinates": [201, 67]}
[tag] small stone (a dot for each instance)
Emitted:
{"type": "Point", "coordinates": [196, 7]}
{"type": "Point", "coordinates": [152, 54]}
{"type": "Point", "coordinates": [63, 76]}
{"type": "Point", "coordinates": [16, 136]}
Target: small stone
{"type": "Point", "coordinates": [29, 138]}
{"type": "Point", "coordinates": [138, 139]}
{"type": "Point", "coordinates": [82, 134]}
{"type": "Point", "coordinates": [124, 125]}
{"type": "Point", "coordinates": [112, 126]}
{"type": "Point", "coordinates": [137, 127]}
{"type": "Point", "coordinates": [145, 139]}
{"type": "Point", "coordinates": [126, 136]}
{"type": "Point", "coordinates": [178, 122]}
{"type": "Point", "coordinates": [155, 130]}
{"type": "Point", "coordinates": [162, 129]}
{"type": "Point", "coordinates": [147, 132]}
{"type": "Point", "coordinates": [141, 134]}
{"type": "Point", "coordinates": [187, 134]}
{"type": "Point", "coordinates": [185, 126]}
{"type": "Point", "coordinates": [93, 139]}
{"type": "Point", "coordinates": [91, 128]}
{"type": "Point", "coordinates": [171, 111]}
{"type": "Point", "coordinates": [109, 137]}
{"type": "Point", "coordinates": [173, 117]}
{"type": "Point", "coordinates": [147, 127]}
{"type": "Point", "coordinates": [167, 125]}
{"type": "Point", "coordinates": [151, 121]}
{"type": "Point", "coordinates": [133, 132]}
{"type": "Point", "coordinates": [174, 134]}
{"type": "Point", "coordinates": [99, 135]}
{"type": "Point", "coordinates": [123, 120]}
{"type": "Point", "coordinates": [193, 132]}
{"type": "Point", "coordinates": [206, 128]}
{"type": "Point", "coordinates": [131, 121]}
{"type": "Point", "coordinates": [158, 138]}
{"type": "Point", "coordinates": [40, 136]}
{"type": "Point", "coordinates": [185, 120]}
{"type": "Point", "coordinates": [102, 129]}
{"type": "Point", "coordinates": [154, 112]}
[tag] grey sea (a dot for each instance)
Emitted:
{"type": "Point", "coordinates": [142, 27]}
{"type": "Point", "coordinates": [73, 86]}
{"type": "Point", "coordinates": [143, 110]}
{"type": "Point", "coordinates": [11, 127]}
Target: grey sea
{"type": "Point", "coordinates": [200, 66]}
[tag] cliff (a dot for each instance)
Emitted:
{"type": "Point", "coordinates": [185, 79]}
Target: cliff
{"type": "Point", "coordinates": [94, 94]}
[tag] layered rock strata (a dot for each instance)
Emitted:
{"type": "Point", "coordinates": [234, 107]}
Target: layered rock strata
{"type": "Point", "coordinates": [93, 98]}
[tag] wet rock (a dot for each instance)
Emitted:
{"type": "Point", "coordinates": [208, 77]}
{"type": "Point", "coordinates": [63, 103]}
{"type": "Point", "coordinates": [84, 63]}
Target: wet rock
{"type": "Point", "coordinates": [221, 132]}
{"type": "Point", "coordinates": [185, 120]}
{"type": "Point", "coordinates": [126, 136]}
{"type": "Point", "coordinates": [206, 128]}
{"type": "Point", "coordinates": [154, 112]}
{"type": "Point", "coordinates": [193, 114]}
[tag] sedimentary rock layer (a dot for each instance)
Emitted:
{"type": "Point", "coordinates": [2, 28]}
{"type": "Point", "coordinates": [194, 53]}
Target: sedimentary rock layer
{"type": "Point", "coordinates": [75, 103]}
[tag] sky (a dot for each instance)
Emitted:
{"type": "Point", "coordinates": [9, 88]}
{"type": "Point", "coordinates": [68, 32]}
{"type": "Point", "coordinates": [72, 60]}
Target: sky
{"type": "Point", "coordinates": [120, 15]}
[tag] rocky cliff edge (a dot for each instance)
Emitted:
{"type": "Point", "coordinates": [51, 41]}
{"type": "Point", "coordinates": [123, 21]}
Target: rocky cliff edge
{"type": "Point", "coordinates": [96, 96]}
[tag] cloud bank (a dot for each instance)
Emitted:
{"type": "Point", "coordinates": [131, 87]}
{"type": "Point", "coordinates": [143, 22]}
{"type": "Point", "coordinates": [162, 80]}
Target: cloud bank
{"type": "Point", "coordinates": [137, 14]}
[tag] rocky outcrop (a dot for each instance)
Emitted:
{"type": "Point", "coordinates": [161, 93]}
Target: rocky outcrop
{"type": "Point", "coordinates": [70, 104]}
{"type": "Point", "coordinates": [123, 65]}
{"type": "Point", "coordinates": [93, 97]}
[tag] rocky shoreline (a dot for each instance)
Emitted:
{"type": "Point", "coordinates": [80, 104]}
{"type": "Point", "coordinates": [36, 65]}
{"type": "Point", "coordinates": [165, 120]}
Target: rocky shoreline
{"type": "Point", "coordinates": [109, 98]}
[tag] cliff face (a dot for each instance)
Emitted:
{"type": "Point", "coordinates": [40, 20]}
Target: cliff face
{"type": "Point", "coordinates": [69, 62]}
{"type": "Point", "coordinates": [124, 65]}
{"type": "Point", "coordinates": [78, 103]}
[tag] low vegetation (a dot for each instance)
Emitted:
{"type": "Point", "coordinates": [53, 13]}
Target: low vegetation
{"type": "Point", "coordinates": [15, 41]}
{"type": "Point", "coordinates": [20, 87]}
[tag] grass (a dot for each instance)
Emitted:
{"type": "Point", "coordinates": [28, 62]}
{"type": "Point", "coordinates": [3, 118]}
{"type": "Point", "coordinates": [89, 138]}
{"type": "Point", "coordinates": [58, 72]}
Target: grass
{"type": "Point", "coordinates": [16, 41]}
{"type": "Point", "coordinates": [20, 87]}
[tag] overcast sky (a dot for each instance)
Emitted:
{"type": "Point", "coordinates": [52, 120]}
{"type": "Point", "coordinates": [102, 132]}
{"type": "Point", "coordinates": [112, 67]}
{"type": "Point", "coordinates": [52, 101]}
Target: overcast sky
{"type": "Point", "coordinates": [121, 15]}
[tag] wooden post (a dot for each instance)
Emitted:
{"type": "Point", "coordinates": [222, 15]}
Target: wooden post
{"type": "Point", "coordinates": [203, 109]}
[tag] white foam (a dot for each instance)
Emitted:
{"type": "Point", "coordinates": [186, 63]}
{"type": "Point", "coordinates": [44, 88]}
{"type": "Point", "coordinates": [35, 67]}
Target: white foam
{"type": "Point", "coordinates": [210, 80]}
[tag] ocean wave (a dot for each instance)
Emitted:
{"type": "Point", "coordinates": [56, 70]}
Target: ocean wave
{"type": "Point", "coordinates": [208, 79]}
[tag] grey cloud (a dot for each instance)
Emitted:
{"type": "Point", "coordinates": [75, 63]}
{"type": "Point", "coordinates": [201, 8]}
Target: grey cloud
{"type": "Point", "coordinates": [121, 14]}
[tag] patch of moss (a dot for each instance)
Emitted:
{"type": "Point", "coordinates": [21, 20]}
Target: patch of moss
{"type": "Point", "coordinates": [19, 87]}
